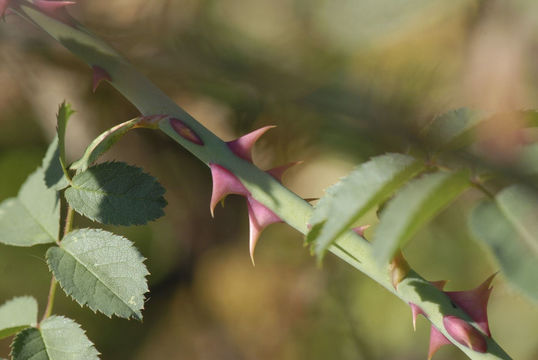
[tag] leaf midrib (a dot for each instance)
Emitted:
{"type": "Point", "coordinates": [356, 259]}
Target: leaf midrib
{"type": "Point", "coordinates": [99, 279]}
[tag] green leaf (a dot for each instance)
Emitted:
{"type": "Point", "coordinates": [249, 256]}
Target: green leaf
{"type": "Point", "coordinates": [101, 270]}
{"type": "Point", "coordinates": [412, 207]}
{"type": "Point", "coordinates": [116, 193]}
{"type": "Point", "coordinates": [511, 236]}
{"type": "Point", "coordinates": [64, 113]}
{"type": "Point", "coordinates": [17, 314]}
{"type": "Point", "coordinates": [104, 142]}
{"type": "Point", "coordinates": [452, 129]}
{"type": "Point", "coordinates": [33, 217]}
{"type": "Point", "coordinates": [366, 187]}
{"type": "Point", "coordinates": [54, 175]}
{"type": "Point", "coordinates": [57, 338]}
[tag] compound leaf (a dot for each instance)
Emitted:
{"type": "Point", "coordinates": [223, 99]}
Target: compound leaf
{"type": "Point", "coordinates": [33, 217]}
{"type": "Point", "coordinates": [412, 207]}
{"type": "Point", "coordinates": [508, 227]}
{"type": "Point", "coordinates": [116, 193]}
{"type": "Point", "coordinates": [101, 270]}
{"type": "Point", "coordinates": [57, 338]}
{"type": "Point", "coordinates": [367, 186]}
{"type": "Point", "coordinates": [17, 314]}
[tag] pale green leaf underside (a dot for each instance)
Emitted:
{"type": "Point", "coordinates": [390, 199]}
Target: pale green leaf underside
{"type": "Point", "coordinates": [58, 338]}
{"type": "Point", "coordinates": [102, 143]}
{"type": "Point", "coordinates": [452, 129]}
{"type": "Point", "coordinates": [509, 247]}
{"type": "Point", "coordinates": [366, 187]}
{"type": "Point", "coordinates": [33, 217]}
{"type": "Point", "coordinates": [17, 314]}
{"type": "Point", "coordinates": [412, 207]}
{"type": "Point", "coordinates": [64, 113]}
{"type": "Point", "coordinates": [54, 175]}
{"type": "Point", "coordinates": [116, 193]}
{"type": "Point", "coordinates": [101, 270]}
{"type": "Point", "coordinates": [520, 206]}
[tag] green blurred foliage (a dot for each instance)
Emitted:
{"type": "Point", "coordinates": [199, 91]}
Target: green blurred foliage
{"type": "Point", "coordinates": [343, 80]}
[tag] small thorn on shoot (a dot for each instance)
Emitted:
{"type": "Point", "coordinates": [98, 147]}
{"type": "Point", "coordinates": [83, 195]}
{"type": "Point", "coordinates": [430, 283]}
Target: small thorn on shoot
{"type": "Point", "coordinates": [242, 146]}
{"type": "Point", "coordinates": [259, 218]}
{"type": "Point", "coordinates": [224, 183]}
{"type": "Point", "coordinates": [99, 74]}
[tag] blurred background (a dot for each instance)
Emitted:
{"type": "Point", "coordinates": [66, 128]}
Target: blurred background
{"type": "Point", "coordinates": [343, 80]}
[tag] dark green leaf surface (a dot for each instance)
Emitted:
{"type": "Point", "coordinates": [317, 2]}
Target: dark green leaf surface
{"type": "Point", "coordinates": [510, 242]}
{"type": "Point", "coordinates": [116, 193]}
{"type": "Point", "coordinates": [54, 175]}
{"type": "Point", "coordinates": [102, 143]}
{"type": "Point", "coordinates": [17, 314]}
{"type": "Point", "coordinates": [101, 270]}
{"type": "Point", "coordinates": [412, 207]}
{"type": "Point", "coordinates": [58, 338]}
{"type": "Point", "coordinates": [33, 217]}
{"type": "Point", "coordinates": [366, 187]}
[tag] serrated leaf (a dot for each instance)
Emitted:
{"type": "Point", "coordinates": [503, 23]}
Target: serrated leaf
{"type": "Point", "coordinates": [57, 338]}
{"type": "Point", "coordinates": [54, 175]}
{"type": "Point", "coordinates": [17, 314]}
{"type": "Point", "coordinates": [33, 217]}
{"type": "Point", "coordinates": [511, 243]}
{"type": "Point", "coordinates": [412, 207]}
{"type": "Point", "coordinates": [451, 130]}
{"type": "Point", "coordinates": [101, 270]}
{"type": "Point", "coordinates": [116, 193]}
{"type": "Point", "coordinates": [366, 187]}
{"type": "Point", "coordinates": [104, 142]}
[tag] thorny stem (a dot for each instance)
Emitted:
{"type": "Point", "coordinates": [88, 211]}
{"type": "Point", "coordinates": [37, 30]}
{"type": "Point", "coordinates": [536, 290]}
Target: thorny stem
{"type": "Point", "coordinates": [150, 100]}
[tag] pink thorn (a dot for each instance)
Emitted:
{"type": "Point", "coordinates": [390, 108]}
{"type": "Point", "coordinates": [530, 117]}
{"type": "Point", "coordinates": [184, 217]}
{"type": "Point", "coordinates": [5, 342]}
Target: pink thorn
{"type": "Point", "coordinates": [439, 284]}
{"type": "Point", "coordinates": [185, 131]}
{"type": "Point", "coordinates": [259, 217]}
{"type": "Point", "coordinates": [242, 146]}
{"type": "Point", "coordinates": [99, 74]}
{"type": "Point", "coordinates": [224, 183]}
{"type": "Point", "coordinates": [279, 171]}
{"type": "Point", "coordinates": [437, 339]}
{"type": "Point", "coordinates": [464, 333]}
{"type": "Point", "coordinates": [359, 230]}
{"type": "Point", "coordinates": [475, 302]}
{"type": "Point", "coordinates": [416, 311]}
{"type": "Point", "coordinates": [50, 7]}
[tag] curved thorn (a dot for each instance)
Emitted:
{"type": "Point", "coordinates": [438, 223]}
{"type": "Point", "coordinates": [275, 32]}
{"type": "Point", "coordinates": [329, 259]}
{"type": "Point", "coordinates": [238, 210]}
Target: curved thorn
{"type": "Point", "coordinates": [242, 146]}
{"type": "Point", "coordinates": [437, 339]}
{"type": "Point", "coordinates": [99, 74]}
{"type": "Point", "coordinates": [475, 302]}
{"type": "Point", "coordinates": [224, 183]}
{"type": "Point", "coordinates": [259, 217]}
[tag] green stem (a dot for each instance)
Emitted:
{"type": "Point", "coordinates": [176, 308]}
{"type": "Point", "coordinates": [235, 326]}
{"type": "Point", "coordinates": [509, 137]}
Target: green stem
{"type": "Point", "coordinates": [53, 283]}
{"type": "Point", "coordinates": [50, 300]}
{"type": "Point", "coordinates": [287, 205]}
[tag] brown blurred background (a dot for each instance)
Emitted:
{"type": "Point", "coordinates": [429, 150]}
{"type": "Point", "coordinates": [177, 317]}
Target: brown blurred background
{"type": "Point", "coordinates": [343, 80]}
